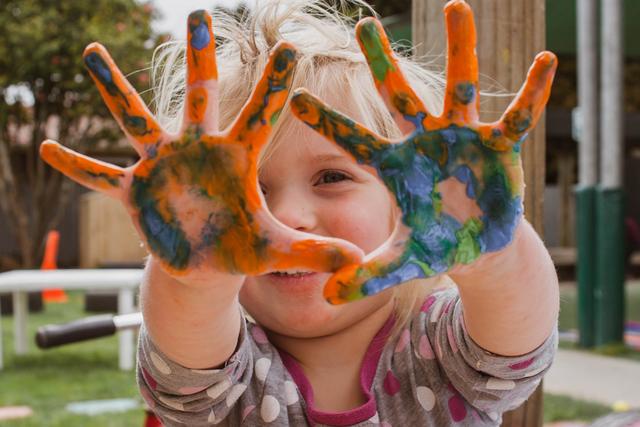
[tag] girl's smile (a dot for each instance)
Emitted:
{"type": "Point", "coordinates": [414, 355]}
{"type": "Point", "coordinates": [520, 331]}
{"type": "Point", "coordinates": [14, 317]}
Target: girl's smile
{"type": "Point", "coordinates": [312, 185]}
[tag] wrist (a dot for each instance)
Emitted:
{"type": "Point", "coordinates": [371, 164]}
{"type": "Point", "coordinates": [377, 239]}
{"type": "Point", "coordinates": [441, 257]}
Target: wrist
{"type": "Point", "coordinates": [499, 262]}
{"type": "Point", "coordinates": [192, 281]}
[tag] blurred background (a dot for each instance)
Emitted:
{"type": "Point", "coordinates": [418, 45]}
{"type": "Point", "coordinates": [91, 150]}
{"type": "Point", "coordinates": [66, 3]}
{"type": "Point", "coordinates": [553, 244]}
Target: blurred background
{"type": "Point", "coordinates": [45, 92]}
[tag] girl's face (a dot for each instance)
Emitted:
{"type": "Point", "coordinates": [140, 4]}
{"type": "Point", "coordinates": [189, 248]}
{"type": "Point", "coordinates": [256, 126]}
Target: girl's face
{"type": "Point", "coordinates": [311, 185]}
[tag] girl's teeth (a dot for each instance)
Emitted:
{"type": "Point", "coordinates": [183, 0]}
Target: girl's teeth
{"type": "Point", "coordinates": [292, 274]}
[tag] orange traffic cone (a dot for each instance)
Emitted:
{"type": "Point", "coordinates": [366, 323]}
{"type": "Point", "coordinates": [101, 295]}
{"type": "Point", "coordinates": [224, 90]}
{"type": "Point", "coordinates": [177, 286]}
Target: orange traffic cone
{"type": "Point", "coordinates": [49, 263]}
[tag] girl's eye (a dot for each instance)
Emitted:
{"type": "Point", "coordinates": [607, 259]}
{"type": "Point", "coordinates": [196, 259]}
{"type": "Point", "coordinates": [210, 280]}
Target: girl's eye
{"type": "Point", "coordinates": [263, 189]}
{"type": "Point", "coordinates": [331, 177]}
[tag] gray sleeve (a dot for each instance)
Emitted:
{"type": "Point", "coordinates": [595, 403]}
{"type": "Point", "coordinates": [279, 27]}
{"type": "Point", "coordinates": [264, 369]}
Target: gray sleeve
{"type": "Point", "coordinates": [184, 396]}
{"type": "Point", "coordinates": [491, 383]}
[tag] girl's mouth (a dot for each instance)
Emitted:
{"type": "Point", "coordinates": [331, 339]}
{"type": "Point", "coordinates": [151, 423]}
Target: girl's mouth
{"type": "Point", "coordinates": [296, 274]}
{"type": "Point", "coordinates": [298, 280]}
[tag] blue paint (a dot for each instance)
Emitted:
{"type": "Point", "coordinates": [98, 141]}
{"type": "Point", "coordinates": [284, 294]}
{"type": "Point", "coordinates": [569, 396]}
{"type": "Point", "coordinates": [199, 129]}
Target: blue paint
{"type": "Point", "coordinates": [501, 215]}
{"type": "Point", "coordinates": [200, 36]}
{"type": "Point", "coordinates": [284, 58]}
{"type": "Point", "coordinates": [517, 147]}
{"type": "Point", "coordinates": [135, 125]}
{"type": "Point", "coordinates": [210, 232]}
{"type": "Point", "coordinates": [498, 233]}
{"type": "Point", "coordinates": [99, 68]}
{"type": "Point", "coordinates": [407, 271]}
{"type": "Point", "coordinates": [436, 244]}
{"type": "Point", "coordinates": [411, 170]}
{"type": "Point", "coordinates": [166, 240]}
{"type": "Point", "coordinates": [151, 150]}
{"type": "Point", "coordinates": [416, 120]}
{"type": "Point", "coordinates": [465, 92]}
{"type": "Point", "coordinates": [518, 121]}
{"type": "Point", "coordinates": [464, 174]}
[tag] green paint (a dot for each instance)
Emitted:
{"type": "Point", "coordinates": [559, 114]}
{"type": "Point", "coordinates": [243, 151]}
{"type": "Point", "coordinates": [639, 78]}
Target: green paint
{"type": "Point", "coordinates": [428, 272]}
{"type": "Point", "coordinates": [468, 248]}
{"type": "Point", "coordinates": [518, 121]}
{"type": "Point", "coordinates": [135, 125]}
{"type": "Point", "coordinates": [274, 117]}
{"type": "Point", "coordinates": [112, 180]}
{"type": "Point", "coordinates": [379, 62]}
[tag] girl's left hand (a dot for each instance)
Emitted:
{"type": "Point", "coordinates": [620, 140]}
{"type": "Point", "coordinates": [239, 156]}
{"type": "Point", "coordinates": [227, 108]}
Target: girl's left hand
{"type": "Point", "coordinates": [458, 182]}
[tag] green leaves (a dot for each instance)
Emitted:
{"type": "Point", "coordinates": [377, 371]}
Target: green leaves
{"type": "Point", "coordinates": [41, 44]}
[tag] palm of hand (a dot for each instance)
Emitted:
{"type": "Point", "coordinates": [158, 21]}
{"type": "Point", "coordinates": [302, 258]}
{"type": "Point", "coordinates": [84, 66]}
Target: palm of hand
{"type": "Point", "coordinates": [194, 196]}
{"type": "Point", "coordinates": [458, 182]}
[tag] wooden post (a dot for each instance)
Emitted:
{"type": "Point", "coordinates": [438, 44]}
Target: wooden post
{"type": "Point", "coordinates": [510, 34]}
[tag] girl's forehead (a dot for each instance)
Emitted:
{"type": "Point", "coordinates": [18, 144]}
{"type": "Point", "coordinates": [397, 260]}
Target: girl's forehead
{"type": "Point", "coordinates": [301, 140]}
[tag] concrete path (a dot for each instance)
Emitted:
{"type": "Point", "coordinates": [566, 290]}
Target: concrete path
{"type": "Point", "coordinates": [595, 378]}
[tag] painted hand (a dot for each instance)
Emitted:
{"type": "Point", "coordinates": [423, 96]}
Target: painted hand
{"type": "Point", "coordinates": [458, 182]}
{"type": "Point", "coordinates": [194, 197]}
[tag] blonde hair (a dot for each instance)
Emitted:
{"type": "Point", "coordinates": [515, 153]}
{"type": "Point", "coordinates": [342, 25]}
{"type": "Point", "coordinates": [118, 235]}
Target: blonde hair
{"type": "Point", "coordinates": [330, 64]}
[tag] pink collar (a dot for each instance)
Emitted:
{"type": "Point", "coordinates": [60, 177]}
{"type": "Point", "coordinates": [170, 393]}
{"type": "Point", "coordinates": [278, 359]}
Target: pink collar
{"type": "Point", "coordinates": [367, 374]}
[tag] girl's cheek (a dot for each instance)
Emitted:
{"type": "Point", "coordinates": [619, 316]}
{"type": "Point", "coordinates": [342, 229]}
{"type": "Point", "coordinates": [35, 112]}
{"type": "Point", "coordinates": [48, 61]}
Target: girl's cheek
{"type": "Point", "coordinates": [363, 224]}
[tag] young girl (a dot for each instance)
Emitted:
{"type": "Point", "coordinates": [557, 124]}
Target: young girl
{"type": "Point", "coordinates": [264, 347]}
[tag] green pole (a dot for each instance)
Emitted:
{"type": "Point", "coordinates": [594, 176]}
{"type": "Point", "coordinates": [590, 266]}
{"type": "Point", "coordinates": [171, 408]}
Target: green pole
{"type": "Point", "coordinates": [610, 266]}
{"type": "Point", "coordinates": [586, 263]}
{"type": "Point", "coordinates": [609, 193]}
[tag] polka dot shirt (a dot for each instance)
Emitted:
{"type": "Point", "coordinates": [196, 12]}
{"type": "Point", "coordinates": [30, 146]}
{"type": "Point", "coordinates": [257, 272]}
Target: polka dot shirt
{"type": "Point", "coordinates": [432, 374]}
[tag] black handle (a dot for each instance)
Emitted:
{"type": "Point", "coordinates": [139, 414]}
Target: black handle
{"type": "Point", "coordinates": [79, 330]}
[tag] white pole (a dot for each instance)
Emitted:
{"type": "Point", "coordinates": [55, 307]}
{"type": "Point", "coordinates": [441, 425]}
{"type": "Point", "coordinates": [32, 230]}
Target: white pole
{"type": "Point", "coordinates": [612, 113]}
{"type": "Point", "coordinates": [588, 92]}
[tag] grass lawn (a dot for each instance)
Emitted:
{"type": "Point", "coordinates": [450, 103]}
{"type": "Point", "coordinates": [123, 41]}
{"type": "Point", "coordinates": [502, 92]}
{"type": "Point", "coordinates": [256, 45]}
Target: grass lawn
{"type": "Point", "coordinates": [563, 408]}
{"type": "Point", "coordinates": [48, 380]}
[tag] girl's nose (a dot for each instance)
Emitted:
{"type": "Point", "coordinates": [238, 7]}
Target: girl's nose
{"type": "Point", "coordinates": [293, 211]}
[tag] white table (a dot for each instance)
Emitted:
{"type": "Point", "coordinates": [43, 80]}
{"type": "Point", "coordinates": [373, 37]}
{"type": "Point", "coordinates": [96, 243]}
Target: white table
{"type": "Point", "coordinates": [19, 282]}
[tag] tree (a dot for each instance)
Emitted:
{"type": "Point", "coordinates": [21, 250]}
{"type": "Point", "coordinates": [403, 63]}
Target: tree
{"type": "Point", "coordinates": [388, 8]}
{"type": "Point", "coordinates": [382, 7]}
{"type": "Point", "coordinates": [41, 44]}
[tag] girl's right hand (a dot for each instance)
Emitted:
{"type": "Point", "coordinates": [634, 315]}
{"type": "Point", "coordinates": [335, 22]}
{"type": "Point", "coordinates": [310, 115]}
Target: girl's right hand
{"type": "Point", "coordinates": [194, 196]}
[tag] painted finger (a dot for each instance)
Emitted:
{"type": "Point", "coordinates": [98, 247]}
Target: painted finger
{"type": "Point", "coordinates": [260, 113]}
{"type": "Point", "coordinates": [408, 110]}
{"type": "Point", "coordinates": [353, 137]}
{"type": "Point", "coordinates": [525, 110]}
{"type": "Point", "coordinates": [388, 266]}
{"type": "Point", "coordinates": [461, 96]}
{"type": "Point", "coordinates": [91, 173]}
{"type": "Point", "coordinates": [314, 253]}
{"type": "Point", "coordinates": [123, 101]}
{"type": "Point", "coordinates": [201, 103]}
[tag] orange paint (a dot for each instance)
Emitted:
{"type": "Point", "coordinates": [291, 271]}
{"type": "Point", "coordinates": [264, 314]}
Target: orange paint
{"type": "Point", "coordinates": [493, 178]}
{"type": "Point", "coordinates": [462, 94]}
{"type": "Point", "coordinates": [197, 104]}
{"type": "Point", "coordinates": [121, 98]}
{"type": "Point", "coordinates": [201, 63]}
{"type": "Point", "coordinates": [194, 198]}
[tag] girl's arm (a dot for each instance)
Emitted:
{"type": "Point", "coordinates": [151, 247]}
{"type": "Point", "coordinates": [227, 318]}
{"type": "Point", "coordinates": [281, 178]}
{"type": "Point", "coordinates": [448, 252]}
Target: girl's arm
{"type": "Point", "coordinates": [196, 326]}
{"type": "Point", "coordinates": [510, 297]}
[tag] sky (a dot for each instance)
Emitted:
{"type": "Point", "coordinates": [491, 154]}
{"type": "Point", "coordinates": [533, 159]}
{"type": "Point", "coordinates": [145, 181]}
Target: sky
{"type": "Point", "coordinates": [175, 12]}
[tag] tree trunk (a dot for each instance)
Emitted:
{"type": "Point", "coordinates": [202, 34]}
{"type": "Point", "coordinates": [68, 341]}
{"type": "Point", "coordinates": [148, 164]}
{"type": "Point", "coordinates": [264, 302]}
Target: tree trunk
{"type": "Point", "coordinates": [510, 34]}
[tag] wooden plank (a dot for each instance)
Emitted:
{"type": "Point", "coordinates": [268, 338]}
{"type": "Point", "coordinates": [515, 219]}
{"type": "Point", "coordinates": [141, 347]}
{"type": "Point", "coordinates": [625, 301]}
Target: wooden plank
{"type": "Point", "coordinates": [106, 235]}
{"type": "Point", "coordinates": [510, 34]}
